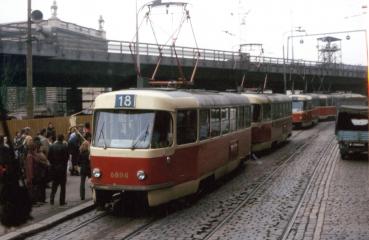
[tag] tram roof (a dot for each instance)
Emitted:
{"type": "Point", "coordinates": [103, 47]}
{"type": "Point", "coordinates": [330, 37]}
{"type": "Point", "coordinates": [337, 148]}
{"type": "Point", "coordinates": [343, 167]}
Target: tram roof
{"type": "Point", "coordinates": [354, 109]}
{"type": "Point", "coordinates": [171, 99]}
{"type": "Point", "coordinates": [300, 97]}
{"type": "Point", "coordinates": [266, 97]}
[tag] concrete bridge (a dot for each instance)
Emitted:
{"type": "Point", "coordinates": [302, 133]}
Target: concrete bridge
{"type": "Point", "coordinates": [70, 62]}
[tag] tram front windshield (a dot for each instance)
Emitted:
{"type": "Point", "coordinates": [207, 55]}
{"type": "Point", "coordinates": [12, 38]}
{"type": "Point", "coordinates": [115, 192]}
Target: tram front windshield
{"type": "Point", "coordinates": [297, 106]}
{"type": "Point", "coordinates": [132, 129]}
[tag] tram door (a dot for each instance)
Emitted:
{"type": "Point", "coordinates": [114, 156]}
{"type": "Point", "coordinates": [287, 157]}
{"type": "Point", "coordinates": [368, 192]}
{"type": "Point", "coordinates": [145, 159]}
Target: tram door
{"type": "Point", "coordinates": [182, 162]}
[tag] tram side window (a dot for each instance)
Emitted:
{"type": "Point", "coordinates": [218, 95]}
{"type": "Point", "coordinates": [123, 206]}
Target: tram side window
{"type": "Point", "coordinates": [163, 130]}
{"type": "Point", "coordinates": [204, 124]}
{"type": "Point", "coordinates": [233, 119]}
{"type": "Point", "coordinates": [329, 101]}
{"type": "Point", "coordinates": [323, 102]}
{"type": "Point", "coordinates": [274, 110]}
{"type": "Point", "coordinates": [240, 118]}
{"type": "Point", "coordinates": [247, 116]}
{"type": "Point", "coordinates": [266, 112]}
{"type": "Point", "coordinates": [307, 105]}
{"type": "Point", "coordinates": [225, 120]}
{"type": "Point", "coordinates": [215, 122]}
{"type": "Point", "coordinates": [186, 126]}
{"type": "Point", "coordinates": [256, 112]}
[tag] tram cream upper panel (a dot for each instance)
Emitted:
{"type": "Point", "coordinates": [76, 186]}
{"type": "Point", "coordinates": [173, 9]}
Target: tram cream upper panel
{"type": "Point", "coordinates": [170, 100]}
{"type": "Point", "coordinates": [300, 97]}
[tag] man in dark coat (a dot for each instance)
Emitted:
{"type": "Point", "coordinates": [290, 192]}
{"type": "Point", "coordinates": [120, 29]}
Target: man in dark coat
{"type": "Point", "coordinates": [58, 158]}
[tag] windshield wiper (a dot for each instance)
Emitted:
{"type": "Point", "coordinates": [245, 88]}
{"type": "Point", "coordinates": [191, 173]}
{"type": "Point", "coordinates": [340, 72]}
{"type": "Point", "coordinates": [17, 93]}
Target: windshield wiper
{"type": "Point", "coordinates": [101, 133]}
{"type": "Point", "coordinates": [135, 142]}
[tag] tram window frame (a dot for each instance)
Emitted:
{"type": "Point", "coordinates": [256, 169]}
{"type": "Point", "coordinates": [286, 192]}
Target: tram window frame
{"type": "Point", "coordinates": [187, 133]}
{"type": "Point", "coordinates": [240, 117]}
{"type": "Point", "coordinates": [232, 119]}
{"type": "Point", "coordinates": [215, 122]}
{"type": "Point", "coordinates": [204, 125]}
{"type": "Point", "coordinates": [224, 122]}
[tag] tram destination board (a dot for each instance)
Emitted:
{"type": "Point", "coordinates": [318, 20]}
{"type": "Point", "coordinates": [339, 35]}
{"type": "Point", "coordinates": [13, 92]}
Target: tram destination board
{"type": "Point", "coordinates": [125, 101]}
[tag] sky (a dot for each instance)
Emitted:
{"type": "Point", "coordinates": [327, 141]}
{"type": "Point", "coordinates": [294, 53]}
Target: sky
{"type": "Point", "coordinates": [222, 25]}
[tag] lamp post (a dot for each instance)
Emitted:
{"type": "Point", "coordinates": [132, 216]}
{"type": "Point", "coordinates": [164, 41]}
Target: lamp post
{"type": "Point", "coordinates": [139, 81]}
{"type": "Point", "coordinates": [298, 29]}
{"type": "Point", "coordinates": [29, 64]}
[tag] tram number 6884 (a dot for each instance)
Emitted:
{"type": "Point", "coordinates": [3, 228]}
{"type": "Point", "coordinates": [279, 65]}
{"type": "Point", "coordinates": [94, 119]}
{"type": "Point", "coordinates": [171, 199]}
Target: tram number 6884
{"type": "Point", "coordinates": [127, 101]}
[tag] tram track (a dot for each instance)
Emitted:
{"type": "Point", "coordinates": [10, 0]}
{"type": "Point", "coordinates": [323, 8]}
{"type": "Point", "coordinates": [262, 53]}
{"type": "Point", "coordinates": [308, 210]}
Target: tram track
{"type": "Point", "coordinates": [81, 225]}
{"type": "Point", "coordinates": [253, 193]}
{"type": "Point", "coordinates": [321, 164]}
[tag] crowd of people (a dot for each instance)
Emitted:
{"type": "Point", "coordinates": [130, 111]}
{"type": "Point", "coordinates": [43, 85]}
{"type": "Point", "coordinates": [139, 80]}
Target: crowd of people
{"type": "Point", "coordinates": [44, 160]}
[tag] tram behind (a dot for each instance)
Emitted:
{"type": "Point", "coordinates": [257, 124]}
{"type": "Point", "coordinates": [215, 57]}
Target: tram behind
{"type": "Point", "coordinates": [271, 119]}
{"type": "Point", "coordinates": [160, 145]}
{"type": "Point", "coordinates": [302, 110]}
{"type": "Point", "coordinates": [327, 108]}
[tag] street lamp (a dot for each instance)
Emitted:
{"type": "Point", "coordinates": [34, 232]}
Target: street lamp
{"type": "Point", "coordinates": [298, 29]}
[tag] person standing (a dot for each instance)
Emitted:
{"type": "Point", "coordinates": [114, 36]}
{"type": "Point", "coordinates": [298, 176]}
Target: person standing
{"type": "Point", "coordinates": [50, 131]}
{"type": "Point", "coordinates": [4, 156]}
{"type": "Point", "coordinates": [85, 163]}
{"type": "Point", "coordinates": [32, 176]}
{"type": "Point", "coordinates": [73, 146]}
{"type": "Point", "coordinates": [44, 141]}
{"type": "Point", "coordinates": [58, 157]}
{"type": "Point", "coordinates": [41, 168]}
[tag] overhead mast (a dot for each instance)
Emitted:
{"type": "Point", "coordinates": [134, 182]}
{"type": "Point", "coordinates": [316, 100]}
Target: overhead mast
{"type": "Point", "coordinates": [181, 80]}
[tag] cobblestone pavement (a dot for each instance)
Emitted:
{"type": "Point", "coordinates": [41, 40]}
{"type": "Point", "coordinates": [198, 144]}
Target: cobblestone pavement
{"type": "Point", "coordinates": [347, 207]}
{"type": "Point", "coordinates": [46, 210]}
{"type": "Point", "coordinates": [315, 194]}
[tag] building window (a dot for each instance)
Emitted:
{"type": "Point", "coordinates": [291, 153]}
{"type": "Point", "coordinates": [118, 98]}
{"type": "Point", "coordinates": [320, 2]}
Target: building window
{"type": "Point", "coordinates": [21, 96]}
{"type": "Point", "coordinates": [186, 126]}
{"type": "Point", "coordinates": [40, 96]}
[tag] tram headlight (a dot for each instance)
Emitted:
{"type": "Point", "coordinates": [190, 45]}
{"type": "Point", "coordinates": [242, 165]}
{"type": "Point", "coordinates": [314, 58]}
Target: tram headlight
{"type": "Point", "coordinates": [141, 175]}
{"type": "Point", "coordinates": [96, 173]}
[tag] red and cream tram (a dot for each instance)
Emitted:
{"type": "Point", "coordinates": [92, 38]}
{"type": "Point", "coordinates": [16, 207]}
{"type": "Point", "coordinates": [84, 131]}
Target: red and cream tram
{"type": "Point", "coordinates": [302, 110]}
{"type": "Point", "coordinates": [271, 119]}
{"type": "Point", "coordinates": [158, 145]}
{"type": "Point", "coordinates": [327, 110]}
{"type": "Point", "coordinates": [315, 101]}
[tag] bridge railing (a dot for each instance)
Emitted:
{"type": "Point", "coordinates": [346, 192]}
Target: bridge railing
{"type": "Point", "coordinates": [149, 49]}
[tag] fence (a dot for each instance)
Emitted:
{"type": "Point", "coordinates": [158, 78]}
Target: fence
{"type": "Point", "coordinates": [61, 124]}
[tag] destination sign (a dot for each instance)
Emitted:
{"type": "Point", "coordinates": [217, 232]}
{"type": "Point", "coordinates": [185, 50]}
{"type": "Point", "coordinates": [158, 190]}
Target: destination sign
{"type": "Point", "coordinates": [125, 101]}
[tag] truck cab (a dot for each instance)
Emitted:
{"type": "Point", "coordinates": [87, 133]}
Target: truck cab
{"type": "Point", "coordinates": [352, 130]}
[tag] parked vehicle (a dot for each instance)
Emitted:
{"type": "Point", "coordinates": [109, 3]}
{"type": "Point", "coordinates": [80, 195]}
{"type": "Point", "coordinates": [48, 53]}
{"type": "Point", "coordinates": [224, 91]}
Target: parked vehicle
{"type": "Point", "coordinates": [352, 129]}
